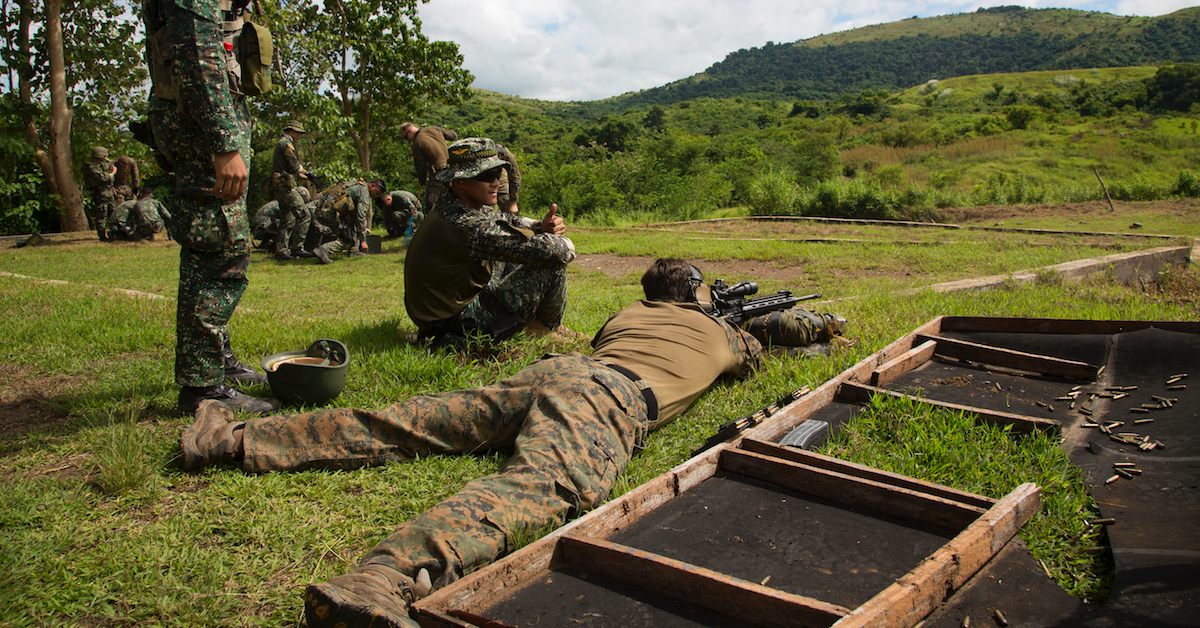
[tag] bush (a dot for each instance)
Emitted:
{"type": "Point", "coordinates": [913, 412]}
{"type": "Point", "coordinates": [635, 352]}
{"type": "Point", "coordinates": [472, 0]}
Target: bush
{"type": "Point", "coordinates": [1188, 185]}
{"type": "Point", "coordinates": [773, 193]}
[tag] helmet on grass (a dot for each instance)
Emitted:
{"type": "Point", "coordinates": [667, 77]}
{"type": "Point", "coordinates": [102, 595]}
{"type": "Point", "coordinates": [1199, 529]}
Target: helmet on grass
{"type": "Point", "coordinates": [315, 375]}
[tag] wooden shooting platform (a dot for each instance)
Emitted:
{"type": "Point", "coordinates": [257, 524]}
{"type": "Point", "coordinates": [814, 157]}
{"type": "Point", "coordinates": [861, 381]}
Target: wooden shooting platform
{"type": "Point", "coordinates": [755, 533]}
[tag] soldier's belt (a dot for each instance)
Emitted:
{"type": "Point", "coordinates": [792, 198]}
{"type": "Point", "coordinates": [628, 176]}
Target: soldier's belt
{"type": "Point", "coordinates": [642, 386]}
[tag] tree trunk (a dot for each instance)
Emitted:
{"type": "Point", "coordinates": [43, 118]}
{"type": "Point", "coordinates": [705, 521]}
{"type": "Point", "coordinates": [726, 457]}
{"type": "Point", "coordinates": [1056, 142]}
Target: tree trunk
{"type": "Point", "coordinates": [25, 96]}
{"type": "Point", "coordinates": [59, 126]}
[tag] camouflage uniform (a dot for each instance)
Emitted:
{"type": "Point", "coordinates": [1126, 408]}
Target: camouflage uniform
{"type": "Point", "coordinates": [127, 181]}
{"type": "Point", "coordinates": [117, 224]}
{"type": "Point", "coordinates": [342, 210]}
{"type": "Point", "coordinates": [265, 224]}
{"type": "Point", "coordinates": [454, 287]}
{"type": "Point", "coordinates": [147, 218]}
{"type": "Point", "coordinates": [294, 220]}
{"type": "Point", "coordinates": [572, 421]}
{"type": "Point", "coordinates": [404, 212]}
{"type": "Point", "coordinates": [98, 176]}
{"type": "Point", "coordinates": [208, 118]}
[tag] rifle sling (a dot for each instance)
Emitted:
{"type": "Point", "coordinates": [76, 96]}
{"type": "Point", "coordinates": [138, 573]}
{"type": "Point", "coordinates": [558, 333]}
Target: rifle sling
{"type": "Point", "coordinates": [647, 392]}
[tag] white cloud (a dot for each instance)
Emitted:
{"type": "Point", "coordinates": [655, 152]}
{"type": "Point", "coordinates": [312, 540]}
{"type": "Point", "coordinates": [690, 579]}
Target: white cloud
{"type": "Point", "coordinates": [576, 50]}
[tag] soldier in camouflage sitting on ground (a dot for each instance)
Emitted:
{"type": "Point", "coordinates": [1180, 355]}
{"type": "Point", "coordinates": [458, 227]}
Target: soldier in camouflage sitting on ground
{"type": "Point", "coordinates": [473, 272]}
{"type": "Point", "coordinates": [572, 421]}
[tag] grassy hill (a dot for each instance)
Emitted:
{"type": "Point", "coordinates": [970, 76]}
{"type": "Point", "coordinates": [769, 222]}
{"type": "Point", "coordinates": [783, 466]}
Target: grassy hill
{"type": "Point", "coordinates": [902, 54]}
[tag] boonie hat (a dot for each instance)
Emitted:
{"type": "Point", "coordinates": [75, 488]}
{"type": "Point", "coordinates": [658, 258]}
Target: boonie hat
{"type": "Point", "coordinates": [469, 158]}
{"type": "Point", "coordinates": [99, 152]}
{"type": "Point", "coordinates": [295, 126]}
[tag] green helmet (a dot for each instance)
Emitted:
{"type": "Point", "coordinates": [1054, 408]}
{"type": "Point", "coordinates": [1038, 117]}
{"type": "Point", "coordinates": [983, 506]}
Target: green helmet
{"type": "Point", "coordinates": [315, 375]}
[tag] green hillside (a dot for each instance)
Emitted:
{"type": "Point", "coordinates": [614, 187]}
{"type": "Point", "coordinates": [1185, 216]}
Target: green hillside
{"type": "Point", "coordinates": [903, 54]}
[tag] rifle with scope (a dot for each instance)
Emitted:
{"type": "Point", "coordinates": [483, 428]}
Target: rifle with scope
{"type": "Point", "coordinates": [730, 302]}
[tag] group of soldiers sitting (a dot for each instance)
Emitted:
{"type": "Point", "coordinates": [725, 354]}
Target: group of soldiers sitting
{"type": "Point", "coordinates": [122, 210]}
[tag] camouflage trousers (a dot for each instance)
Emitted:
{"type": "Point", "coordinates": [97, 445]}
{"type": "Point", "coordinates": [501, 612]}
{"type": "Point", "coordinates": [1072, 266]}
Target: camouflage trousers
{"type": "Point", "coordinates": [103, 204]}
{"type": "Point", "coordinates": [794, 328]}
{"type": "Point", "coordinates": [572, 422]}
{"type": "Point", "coordinates": [210, 286]}
{"type": "Point", "coordinates": [515, 294]}
{"type": "Point", "coordinates": [294, 219]}
{"type": "Point", "coordinates": [433, 191]}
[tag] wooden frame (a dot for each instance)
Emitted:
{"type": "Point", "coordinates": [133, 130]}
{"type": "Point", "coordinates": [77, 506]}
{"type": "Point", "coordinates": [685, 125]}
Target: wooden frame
{"type": "Point", "coordinates": [979, 527]}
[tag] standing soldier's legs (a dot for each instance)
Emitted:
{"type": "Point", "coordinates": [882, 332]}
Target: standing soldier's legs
{"type": "Point", "coordinates": [291, 206]}
{"type": "Point", "coordinates": [210, 286]}
{"type": "Point", "coordinates": [102, 206]}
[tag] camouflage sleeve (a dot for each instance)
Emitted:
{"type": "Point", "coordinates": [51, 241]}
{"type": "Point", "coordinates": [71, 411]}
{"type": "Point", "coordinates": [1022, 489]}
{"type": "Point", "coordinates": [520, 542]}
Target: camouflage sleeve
{"type": "Point", "coordinates": [495, 236]}
{"type": "Point", "coordinates": [746, 347]}
{"type": "Point", "coordinates": [199, 71]}
{"type": "Point", "coordinates": [291, 161]}
{"type": "Point", "coordinates": [162, 211]}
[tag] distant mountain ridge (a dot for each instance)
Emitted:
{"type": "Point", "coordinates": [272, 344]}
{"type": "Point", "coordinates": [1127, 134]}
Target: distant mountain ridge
{"type": "Point", "coordinates": [903, 54]}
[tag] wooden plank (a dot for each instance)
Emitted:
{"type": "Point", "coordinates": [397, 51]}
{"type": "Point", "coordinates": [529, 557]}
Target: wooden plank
{"type": "Point", "coordinates": [867, 473]}
{"type": "Point", "coordinates": [732, 597]}
{"type": "Point", "coordinates": [919, 592]}
{"type": "Point", "coordinates": [997, 356]}
{"type": "Point", "coordinates": [853, 492]}
{"type": "Point", "coordinates": [909, 360]}
{"type": "Point", "coordinates": [435, 619]}
{"type": "Point", "coordinates": [861, 393]}
{"type": "Point", "coordinates": [1059, 326]}
{"type": "Point", "coordinates": [484, 587]}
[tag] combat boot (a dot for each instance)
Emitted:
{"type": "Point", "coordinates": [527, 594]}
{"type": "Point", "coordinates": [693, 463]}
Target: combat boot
{"type": "Point", "coordinates": [284, 256]}
{"type": "Point", "coordinates": [372, 595]}
{"type": "Point", "coordinates": [213, 437]}
{"type": "Point", "coordinates": [190, 398]}
{"type": "Point", "coordinates": [834, 324]}
{"type": "Point", "coordinates": [237, 372]}
{"type": "Point", "coordinates": [302, 254]}
{"type": "Point", "coordinates": [322, 255]}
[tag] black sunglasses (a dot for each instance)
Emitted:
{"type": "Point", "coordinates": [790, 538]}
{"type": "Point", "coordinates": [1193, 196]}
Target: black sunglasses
{"type": "Point", "coordinates": [488, 176]}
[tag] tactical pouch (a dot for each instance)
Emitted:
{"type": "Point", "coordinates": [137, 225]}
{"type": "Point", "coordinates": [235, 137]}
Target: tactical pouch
{"type": "Point", "coordinates": [160, 65]}
{"type": "Point", "coordinates": [254, 56]}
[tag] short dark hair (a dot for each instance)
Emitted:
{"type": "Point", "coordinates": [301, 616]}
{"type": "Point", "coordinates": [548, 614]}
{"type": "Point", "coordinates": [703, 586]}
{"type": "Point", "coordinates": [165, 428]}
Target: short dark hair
{"type": "Point", "coordinates": [668, 279]}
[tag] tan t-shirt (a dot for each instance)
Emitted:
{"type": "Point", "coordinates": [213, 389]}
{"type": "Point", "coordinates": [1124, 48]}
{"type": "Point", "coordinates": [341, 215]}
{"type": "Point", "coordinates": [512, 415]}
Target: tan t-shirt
{"type": "Point", "coordinates": [677, 348]}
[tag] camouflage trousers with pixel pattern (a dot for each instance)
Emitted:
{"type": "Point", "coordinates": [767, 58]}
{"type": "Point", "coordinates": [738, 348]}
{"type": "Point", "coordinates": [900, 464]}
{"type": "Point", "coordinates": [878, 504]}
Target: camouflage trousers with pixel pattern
{"type": "Point", "coordinates": [572, 423]}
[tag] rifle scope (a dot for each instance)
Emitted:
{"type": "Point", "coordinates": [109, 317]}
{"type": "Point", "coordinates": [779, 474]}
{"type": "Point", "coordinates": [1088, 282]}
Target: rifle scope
{"type": "Point", "coordinates": [740, 289]}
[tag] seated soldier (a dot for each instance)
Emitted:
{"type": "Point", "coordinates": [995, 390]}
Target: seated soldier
{"type": "Point", "coordinates": [472, 271]}
{"type": "Point", "coordinates": [573, 422]}
{"type": "Point", "coordinates": [117, 224]}
{"type": "Point", "coordinates": [148, 216]}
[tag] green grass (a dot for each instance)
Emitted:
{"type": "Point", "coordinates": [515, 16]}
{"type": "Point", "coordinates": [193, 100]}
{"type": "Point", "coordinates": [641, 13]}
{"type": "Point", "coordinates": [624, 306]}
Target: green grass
{"type": "Point", "coordinates": [99, 527]}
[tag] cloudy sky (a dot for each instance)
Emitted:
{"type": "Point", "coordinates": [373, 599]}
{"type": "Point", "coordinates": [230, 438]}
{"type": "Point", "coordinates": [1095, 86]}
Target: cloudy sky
{"type": "Point", "coordinates": [588, 50]}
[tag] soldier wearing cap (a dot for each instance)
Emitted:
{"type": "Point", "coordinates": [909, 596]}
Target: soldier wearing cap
{"type": "Point", "coordinates": [98, 174]}
{"type": "Point", "coordinates": [473, 271]}
{"type": "Point", "coordinates": [286, 175]}
{"type": "Point", "coordinates": [345, 210]}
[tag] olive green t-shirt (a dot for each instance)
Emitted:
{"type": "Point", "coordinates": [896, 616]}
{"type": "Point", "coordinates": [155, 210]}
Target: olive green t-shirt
{"type": "Point", "coordinates": [677, 349]}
